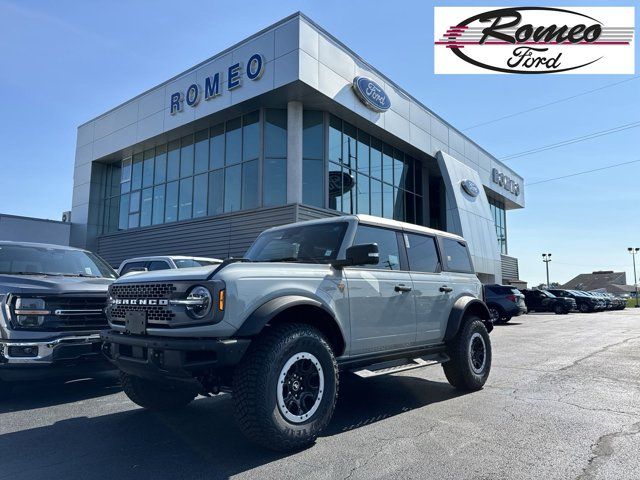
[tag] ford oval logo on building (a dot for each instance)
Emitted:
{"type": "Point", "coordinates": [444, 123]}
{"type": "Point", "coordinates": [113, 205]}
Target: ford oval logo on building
{"type": "Point", "coordinates": [371, 94]}
{"type": "Point", "coordinates": [471, 188]}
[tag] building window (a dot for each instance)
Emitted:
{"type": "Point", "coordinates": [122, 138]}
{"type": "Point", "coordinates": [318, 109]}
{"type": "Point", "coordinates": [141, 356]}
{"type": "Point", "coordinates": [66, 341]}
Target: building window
{"type": "Point", "coordinates": [313, 158]}
{"type": "Point", "coordinates": [274, 172]}
{"type": "Point", "coordinates": [369, 176]}
{"type": "Point", "coordinates": [213, 171]}
{"type": "Point", "coordinates": [500, 219]}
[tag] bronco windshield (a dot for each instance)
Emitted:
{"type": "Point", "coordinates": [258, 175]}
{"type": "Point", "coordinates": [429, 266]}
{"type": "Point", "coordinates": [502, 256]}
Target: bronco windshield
{"type": "Point", "coordinates": [49, 260]}
{"type": "Point", "coordinates": [317, 243]}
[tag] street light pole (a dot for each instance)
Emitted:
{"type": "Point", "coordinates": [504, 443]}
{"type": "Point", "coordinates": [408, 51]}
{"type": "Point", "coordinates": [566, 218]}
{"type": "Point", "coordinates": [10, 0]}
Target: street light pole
{"type": "Point", "coordinates": [633, 252]}
{"type": "Point", "coordinates": [546, 258]}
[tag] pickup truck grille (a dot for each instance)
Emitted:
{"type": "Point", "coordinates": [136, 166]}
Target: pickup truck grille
{"type": "Point", "coordinates": [74, 313]}
{"type": "Point", "coordinates": [128, 298]}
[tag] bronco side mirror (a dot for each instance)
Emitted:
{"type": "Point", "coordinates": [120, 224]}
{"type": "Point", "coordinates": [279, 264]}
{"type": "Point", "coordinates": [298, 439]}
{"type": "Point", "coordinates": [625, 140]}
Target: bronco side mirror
{"type": "Point", "coordinates": [366, 254]}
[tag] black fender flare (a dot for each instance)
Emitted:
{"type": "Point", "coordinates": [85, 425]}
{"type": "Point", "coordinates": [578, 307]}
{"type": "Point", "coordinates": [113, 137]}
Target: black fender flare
{"type": "Point", "coordinates": [460, 308]}
{"type": "Point", "coordinates": [262, 315]}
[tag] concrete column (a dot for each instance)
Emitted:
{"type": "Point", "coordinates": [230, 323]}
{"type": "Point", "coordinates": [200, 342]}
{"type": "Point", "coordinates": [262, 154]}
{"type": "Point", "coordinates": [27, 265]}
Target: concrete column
{"type": "Point", "coordinates": [294, 152]}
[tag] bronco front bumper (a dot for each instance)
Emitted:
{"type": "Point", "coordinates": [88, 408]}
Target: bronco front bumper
{"type": "Point", "coordinates": [170, 359]}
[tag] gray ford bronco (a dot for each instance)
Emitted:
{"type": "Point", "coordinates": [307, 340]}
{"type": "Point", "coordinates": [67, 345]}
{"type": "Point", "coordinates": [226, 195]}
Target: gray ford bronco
{"type": "Point", "coordinates": [309, 300]}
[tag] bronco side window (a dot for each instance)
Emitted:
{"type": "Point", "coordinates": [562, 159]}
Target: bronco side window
{"type": "Point", "coordinates": [387, 241]}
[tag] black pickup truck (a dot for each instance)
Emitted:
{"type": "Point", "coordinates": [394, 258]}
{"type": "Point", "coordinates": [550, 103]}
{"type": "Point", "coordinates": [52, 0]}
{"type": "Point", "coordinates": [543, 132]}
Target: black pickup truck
{"type": "Point", "coordinates": [52, 301]}
{"type": "Point", "coordinates": [544, 301]}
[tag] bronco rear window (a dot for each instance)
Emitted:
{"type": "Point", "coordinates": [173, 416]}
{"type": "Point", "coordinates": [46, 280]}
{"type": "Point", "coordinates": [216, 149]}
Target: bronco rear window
{"type": "Point", "coordinates": [456, 256]}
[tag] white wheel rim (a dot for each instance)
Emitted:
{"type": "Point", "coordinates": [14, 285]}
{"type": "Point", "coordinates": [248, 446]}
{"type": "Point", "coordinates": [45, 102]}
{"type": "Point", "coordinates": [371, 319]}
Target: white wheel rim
{"type": "Point", "coordinates": [477, 345]}
{"type": "Point", "coordinates": [287, 382]}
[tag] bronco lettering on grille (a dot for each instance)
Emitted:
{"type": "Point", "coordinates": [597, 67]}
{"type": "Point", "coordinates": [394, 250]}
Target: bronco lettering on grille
{"type": "Point", "coordinates": [141, 301]}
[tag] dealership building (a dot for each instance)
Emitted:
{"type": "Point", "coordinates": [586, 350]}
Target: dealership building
{"type": "Point", "coordinates": [287, 125]}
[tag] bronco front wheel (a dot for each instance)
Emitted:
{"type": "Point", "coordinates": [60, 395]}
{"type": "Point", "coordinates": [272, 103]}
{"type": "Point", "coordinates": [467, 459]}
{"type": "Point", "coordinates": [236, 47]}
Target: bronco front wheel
{"type": "Point", "coordinates": [285, 388]}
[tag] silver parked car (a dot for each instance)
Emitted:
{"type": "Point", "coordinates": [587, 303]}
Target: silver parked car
{"type": "Point", "coordinates": [308, 301]}
{"type": "Point", "coordinates": [164, 262]}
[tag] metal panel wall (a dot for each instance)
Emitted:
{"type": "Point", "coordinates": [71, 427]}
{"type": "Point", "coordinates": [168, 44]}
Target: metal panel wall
{"type": "Point", "coordinates": [510, 268]}
{"type": "Point", "coordinates": [223, 236]}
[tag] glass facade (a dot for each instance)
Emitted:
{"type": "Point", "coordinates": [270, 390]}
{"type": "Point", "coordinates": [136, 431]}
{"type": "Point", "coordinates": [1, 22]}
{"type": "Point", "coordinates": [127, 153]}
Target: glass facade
{"type": "Point", "coordinates": [500, 219]}
{"type": "Point", "coordinates": [369, 176]}
{"type": "Point", "coordinates": [213, 171]}
{"type": "Point", "coordinates": [241, 164]}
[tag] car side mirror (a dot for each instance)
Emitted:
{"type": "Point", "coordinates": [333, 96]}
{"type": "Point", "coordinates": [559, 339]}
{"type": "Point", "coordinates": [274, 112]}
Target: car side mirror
{"type": "Point", "coordinates": [366, 254]}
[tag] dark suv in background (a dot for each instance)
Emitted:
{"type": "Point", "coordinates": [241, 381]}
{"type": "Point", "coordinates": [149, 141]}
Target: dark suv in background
{"type": "Point", "coordinates": [504, 302]}
{"type": "Point", "coordinates": [585, 303]}
{"type": "Point", "coordinates": [544, 301]}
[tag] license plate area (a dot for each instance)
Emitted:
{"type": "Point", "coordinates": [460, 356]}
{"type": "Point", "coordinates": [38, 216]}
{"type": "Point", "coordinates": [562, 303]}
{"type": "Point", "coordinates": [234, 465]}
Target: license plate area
{"type": "Point", "coordinates": [135, 322]}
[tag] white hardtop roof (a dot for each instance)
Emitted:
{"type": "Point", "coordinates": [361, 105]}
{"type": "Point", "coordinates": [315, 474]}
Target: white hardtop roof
{"type": "Point", "coordinates": [377, 221]}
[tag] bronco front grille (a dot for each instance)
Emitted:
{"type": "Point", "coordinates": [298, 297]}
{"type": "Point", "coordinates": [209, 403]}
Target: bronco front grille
{"type": "Point", "coordinates": [126, 295]}
{"type": "Point", "coordinates": [143, 290]}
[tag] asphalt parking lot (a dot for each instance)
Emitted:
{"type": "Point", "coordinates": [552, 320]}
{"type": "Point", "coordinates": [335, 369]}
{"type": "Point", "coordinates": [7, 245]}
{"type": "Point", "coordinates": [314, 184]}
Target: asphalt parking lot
{"type": "Point", "coordinates": [562, 401]}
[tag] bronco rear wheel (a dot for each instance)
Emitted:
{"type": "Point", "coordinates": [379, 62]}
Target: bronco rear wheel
{"type": "Point", "coordinates": [470, 356]}
{"type": "Point", "coordinates": [285, 388]}
{"type": "Point", "coordinates": [154, 395]}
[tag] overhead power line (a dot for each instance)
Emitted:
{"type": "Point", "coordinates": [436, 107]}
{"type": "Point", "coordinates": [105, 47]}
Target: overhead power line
{"type": "Point", "coordinates": [570, 141]}
{"type": "Point", "coordinates": [555, 102]}
{"type": "Point", "coordinates": [583, 172]}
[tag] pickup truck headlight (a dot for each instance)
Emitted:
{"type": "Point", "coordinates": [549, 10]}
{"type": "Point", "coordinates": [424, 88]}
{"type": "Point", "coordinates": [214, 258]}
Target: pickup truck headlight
{"type": "Point", "coordinates": [30, 312]}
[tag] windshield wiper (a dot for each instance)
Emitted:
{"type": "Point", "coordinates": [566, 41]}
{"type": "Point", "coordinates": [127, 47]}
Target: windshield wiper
{"type": "Point", "coordinates": [83, 275]}
{"type": "Point", "coordinates": [284, 259]}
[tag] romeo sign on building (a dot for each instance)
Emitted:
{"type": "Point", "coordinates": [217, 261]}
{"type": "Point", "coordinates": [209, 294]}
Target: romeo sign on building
{"type": "Point", "coordinates": [211, 89]}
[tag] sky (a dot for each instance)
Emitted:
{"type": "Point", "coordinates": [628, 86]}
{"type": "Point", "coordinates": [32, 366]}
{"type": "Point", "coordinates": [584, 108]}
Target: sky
{"type": "Point", "coordinates": [66, 62]}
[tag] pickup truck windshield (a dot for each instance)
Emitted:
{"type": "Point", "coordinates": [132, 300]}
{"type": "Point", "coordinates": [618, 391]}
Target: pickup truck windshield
{"type": "Point", "coordinates": [32, 260]}
{"type": "Point", "coordinates": [318, 243]}
{"type": "Point", "coordinates": [189, 262]}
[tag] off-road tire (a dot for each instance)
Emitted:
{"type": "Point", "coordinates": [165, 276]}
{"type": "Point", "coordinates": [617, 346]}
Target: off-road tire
{"type": "Point", "coordinates": [155, 396]}
{"type": "Point", "coordinates": [458, 369]}
{"type": "Point", "coordinates": [257, 381]}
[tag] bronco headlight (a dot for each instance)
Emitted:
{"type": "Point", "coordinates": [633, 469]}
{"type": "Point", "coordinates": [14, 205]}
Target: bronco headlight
{"type": "Point", "coordinates": [30, 312]}
{"type": "Point", "coordinates": [199, 302]}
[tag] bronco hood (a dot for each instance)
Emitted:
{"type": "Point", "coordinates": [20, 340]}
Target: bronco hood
{"type": "Point", "coordinates": [52, 284]}
{"type": "Point", "coordinates": [193, 273]}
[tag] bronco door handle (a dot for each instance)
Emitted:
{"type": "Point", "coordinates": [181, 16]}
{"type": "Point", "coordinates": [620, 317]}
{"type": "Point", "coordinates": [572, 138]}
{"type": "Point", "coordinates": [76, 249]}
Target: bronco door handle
{"type": "Point", "coordinates": [402, 288]}
{"type": "Point", "coordinates": [445, 289]}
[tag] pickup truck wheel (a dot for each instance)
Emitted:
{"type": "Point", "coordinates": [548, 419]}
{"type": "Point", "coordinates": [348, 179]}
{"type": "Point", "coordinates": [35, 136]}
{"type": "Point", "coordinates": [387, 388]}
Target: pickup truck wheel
{"type": "Point", "coordinates": [285, 388]}
{"type": "Point", "coordinates": [154, 395]}
{"type": "Point", "coordinates": [470, 354]}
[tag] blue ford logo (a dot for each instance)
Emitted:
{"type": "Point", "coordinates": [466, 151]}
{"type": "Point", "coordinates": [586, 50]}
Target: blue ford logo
{"type": "Point", "coordinates": [471, 188]}
{"type": "Point", "coordinates": [371, 94]}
